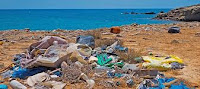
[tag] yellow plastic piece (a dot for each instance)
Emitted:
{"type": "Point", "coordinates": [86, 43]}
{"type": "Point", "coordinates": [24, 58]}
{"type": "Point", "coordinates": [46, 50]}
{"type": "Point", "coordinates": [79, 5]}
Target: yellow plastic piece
{"type": "Point", "coordinates": [160, 62]}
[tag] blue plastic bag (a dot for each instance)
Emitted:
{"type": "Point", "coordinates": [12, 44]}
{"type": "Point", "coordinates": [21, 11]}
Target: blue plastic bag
{"type": "Point", "coordinates": [22, 73]}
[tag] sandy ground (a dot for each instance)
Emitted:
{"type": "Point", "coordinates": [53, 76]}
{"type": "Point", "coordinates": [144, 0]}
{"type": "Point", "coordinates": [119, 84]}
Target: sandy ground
{"type": "Point", "coordinates": [143, 38]}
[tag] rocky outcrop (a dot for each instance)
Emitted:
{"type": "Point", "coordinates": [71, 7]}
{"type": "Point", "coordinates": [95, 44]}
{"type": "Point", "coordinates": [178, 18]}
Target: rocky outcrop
{"type": "Point", "coordinates": [190, 13]}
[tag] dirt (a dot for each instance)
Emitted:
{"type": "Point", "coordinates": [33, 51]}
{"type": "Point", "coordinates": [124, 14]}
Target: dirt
{"type": "Point", "coordinates": [143, 38]}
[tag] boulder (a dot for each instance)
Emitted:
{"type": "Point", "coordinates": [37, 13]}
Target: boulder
{"type": "Point", "coordinates": [189, 13]}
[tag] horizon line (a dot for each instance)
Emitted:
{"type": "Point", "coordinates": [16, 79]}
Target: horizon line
{"type": "Point", "coordinates": [76, 8]}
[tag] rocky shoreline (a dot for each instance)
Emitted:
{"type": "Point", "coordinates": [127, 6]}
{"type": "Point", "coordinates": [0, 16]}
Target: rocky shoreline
{"type": "Point", "coordinates": [189, 13]}
{"type": "Point", "coordinates": [141, 38]}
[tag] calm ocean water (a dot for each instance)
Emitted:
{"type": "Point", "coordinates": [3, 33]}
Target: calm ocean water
{"type": "Point", "coordinates": [71, 19]}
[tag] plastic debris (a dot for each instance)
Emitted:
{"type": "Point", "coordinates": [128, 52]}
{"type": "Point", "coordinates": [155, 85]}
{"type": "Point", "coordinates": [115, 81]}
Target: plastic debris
{"type": "Point", "coordinates": [118, 64]}
{"type": "Point", "coordinates": [93, 59]}
{"type": "Point", "coordinates": [22, 73]}
{"type": "Point", "coordinates": [103, 59]}
{"type": "Point", "coordinates": [161, 82]}
{"type": "Point", "coordinates": [79, 52]}
{"type": "Point", "coordinates": [115, 30]}
{"type": "Point", "coordinates": [111, 48]}
{"type": "Point", "coordinates": [54, 84]}
{"type": "Point", "coordinates": [41, 77]}
{"type": "Point", "coordinates": [138, 59]}
{"type": "Point", "coordinates": [120, 48]}
{"type": "Point", "coordinates": [77, 62]}
{"type": "Point", "coordinates": [17, 85]}
{"type": "Point", "coordinates": [160, 62]}
{"type": "Point", "coordinates": [130, 67]}
{"type": "Point", "coordinates": [3, 86]}
{"type": "Point", "coordinates": [130, 83]}
{"type": "Point", "coordinates": [176, 65]}
{"type": "Point", "coordinates": [88, 40]}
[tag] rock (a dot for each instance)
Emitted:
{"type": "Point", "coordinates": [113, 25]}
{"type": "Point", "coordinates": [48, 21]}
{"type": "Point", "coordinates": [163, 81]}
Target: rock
{"type": "Point", "coordinates": [1, 42]}
{"type": "Point", "coordinates": [133, 13]}
{"type": "Point", "coordinates": [189, 13]}
{"type": "Point", "coordinates": [149, 13]}
{"type": "Point", "coordinates": [174, 30]}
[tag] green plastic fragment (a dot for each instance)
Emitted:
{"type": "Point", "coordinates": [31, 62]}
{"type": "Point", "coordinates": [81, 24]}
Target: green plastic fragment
{"type": "Point", "coordinates": [103, 59]}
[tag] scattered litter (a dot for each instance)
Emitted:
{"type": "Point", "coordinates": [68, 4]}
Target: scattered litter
{"type": "Point", "coordinates": [38, 78]}
{"type": "Point", "coordinates": [103, 59]}
{"type": "Point", "coordinates": [161, 82]}
{"type": "Point", "coordinates": [88, 40]}
{"type": "Point", "coordinates": [3, 86]}
{"type": "Point", "coordinates": [17, 85]}
{"type": "Point", "coordinates": [130, 83]}
{"type": "Point", "coordinates": [115, 30]}
{"type": "Point", "coordinates": [23, 73]}
{"type": "Point", "coordinates": [52, 63]}
{"type": "Point", "coordinates": [127, 67]}
{"type": "Point", "coordinates": [138, 59]}
{"type": "Point", "coordinates": [53, 84]}
{"type": "Point", "coordinates": [162, 62]}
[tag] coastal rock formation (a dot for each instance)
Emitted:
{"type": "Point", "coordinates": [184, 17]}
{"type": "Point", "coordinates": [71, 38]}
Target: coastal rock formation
{"type": "Point", "coordinates": [189, 13]}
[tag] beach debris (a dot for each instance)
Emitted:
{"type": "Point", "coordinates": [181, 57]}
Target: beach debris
{"type": "Point", "coordinates": [145, 73]}
{"type": "Point", "coordinates": [103, 59]}
{"type": "Point", "coordinates": [53, 65]}
{"type": "Point", "coordinates": [130, 83]}
{"type": "Point", "coordinates": [90, 82]}
{"type": "Point", "coordinates": [160, 62]}
{"type": "Point", "coordinates": [93, 59]}
{"type": "Point", "coordinates": [52, 85]}
{"type": "Point", "coordinates": [120, 48]}
{"type": "Point", "coordinates": [174, 30]}
{"type": "Point", "coordinates": [111, 48]}
{"type": "Point", "coordinates": [3, 86]}
{"type": "Point", "coordinates": [138, 59]}
{"type": "Point", "coordinates": [23, 73]}
{"type": "Point", "coordinates": [45, 43]}
{"type": "Point", "coordinates": [161, 82]}
{"type": "Point", "coordinates": [17, 85]}
{"type": "Point", "coordinates": [38, 78]}
{"type": "Point", "coordinates": [79, 52]}
{"type": "Point", "coordinates": [176, 65]}
{"type": "Point", "coordinates": [115, 30]}
{"type": "Point", "coordinates": [88, 40]}
{"type": "Point", "coordinates": [127, 67]}
{"type": "Point", "coordinates": [70, 73]}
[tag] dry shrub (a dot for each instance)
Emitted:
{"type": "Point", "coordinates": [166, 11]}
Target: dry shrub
{"type": "Point", "coordinates": [104, 42]}
{"type": "Point", "coordinates": [95, 33]}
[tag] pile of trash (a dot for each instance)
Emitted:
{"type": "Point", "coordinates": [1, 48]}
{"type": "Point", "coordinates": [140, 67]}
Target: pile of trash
{"type": "Point", "coordinates": [53, 63]}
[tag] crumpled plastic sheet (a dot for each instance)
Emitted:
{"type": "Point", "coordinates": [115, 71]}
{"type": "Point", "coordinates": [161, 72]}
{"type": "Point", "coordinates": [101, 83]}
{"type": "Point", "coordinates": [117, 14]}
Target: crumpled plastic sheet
{"type": "Point", "coordinates": [22, 73]}
{"type": "Point", "coordinates": [146, 84]}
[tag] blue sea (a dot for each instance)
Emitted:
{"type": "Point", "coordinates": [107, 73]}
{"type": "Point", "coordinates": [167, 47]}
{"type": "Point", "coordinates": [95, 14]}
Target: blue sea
{"type": "Point", "coordinates": [72, 19]}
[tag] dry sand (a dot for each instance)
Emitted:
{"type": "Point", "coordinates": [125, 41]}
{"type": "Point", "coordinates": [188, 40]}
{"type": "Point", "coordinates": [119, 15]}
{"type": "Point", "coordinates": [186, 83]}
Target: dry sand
{"type": "Point", "coordinates": [143, 38]}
